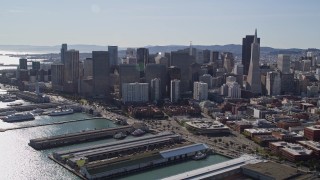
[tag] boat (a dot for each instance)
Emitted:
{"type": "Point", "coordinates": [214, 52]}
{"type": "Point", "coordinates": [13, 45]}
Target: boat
{"type": "Point", "coordinates": [18, 117]}
{"type": "Point", "coordinates": [199, 155]}
{"type": "Point", "coordinates": [120, 121]}
{"type": "Point", "coordinates": [119, 135]}
{"type": "Point", "coordinates": [61, 112]}
{"type": "Point", "coordinates": [8, 100]}
{"type": "Point", "coordinates": [138, 132]}
{"type": "Point", "coordinates": [15, 104]}
{"type": "Point", "coordinates": [38, 111]}
{"type": "Point", "coordinates": [7, 113]}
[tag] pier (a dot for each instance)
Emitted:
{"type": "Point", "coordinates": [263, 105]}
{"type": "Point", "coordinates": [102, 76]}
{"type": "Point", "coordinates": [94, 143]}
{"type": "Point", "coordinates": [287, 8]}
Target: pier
{"type": "Point", "coordinates": [48, 124]}
{"type": "Point", "coordinates": [31, 107]}
{"type": "Point", "coordinates": [78, 137]}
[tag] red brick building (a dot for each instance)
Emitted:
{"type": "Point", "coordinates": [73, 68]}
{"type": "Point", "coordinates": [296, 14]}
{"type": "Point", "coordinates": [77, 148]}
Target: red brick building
{"type": "Point", "coordinates": [312, 133]}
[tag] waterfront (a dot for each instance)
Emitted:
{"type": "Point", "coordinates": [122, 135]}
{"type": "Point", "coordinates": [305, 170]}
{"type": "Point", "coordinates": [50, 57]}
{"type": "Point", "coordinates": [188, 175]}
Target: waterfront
{"type": "Point", "coordinates": [174, 169]}
{"type": "Point", "coordinates": [16, 152]}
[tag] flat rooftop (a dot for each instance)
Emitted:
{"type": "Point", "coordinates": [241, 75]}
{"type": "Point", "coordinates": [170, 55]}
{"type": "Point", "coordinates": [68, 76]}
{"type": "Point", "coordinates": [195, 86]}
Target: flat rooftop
{"type": "Point", "coordinates": [272, 169]}
{"type": "Point", "coordinates": [216, 169]}
{"type": "Point", "coordinates": [313, 144]}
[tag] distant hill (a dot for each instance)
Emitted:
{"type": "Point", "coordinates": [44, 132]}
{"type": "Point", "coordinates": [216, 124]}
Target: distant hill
{"type": "Point", "coordinates": [234, 48]}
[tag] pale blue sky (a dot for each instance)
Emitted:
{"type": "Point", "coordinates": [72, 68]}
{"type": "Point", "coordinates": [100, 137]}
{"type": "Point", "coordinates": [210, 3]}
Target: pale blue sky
{"type": "Point", "coordinates": [280, 23]}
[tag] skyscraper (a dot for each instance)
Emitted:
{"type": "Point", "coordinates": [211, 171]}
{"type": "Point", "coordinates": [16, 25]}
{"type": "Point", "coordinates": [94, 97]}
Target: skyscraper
{"type": "Point", "coordinates": [135, 92]}
{"type": "Point", "coordinates": [283, 63]}
{"type": "Point", "coordinates": [113, 55]}
{"type": "Point", "coordinates": [200, 91]}
{"type": "Point", "coordinates": [142, 58]}
{"type": "Point", "coordinates": [156, 71]}
{"type": "Point", "coordinates": [101, 68]}
{"type": "Point", "coordinates": [254, 79]}
{"type": "Point", "coordinates": [71, 66]}
{"type": "Point", "coordinates": [175, 90]}
{"type": "Point", "coordinates": [64, 48]}
{"type": "Point", "coordinates": [246, 52]}
{"type": "Point", "coordinates": [128, 73]}
{"type": "Point", "coordinates": [206, 56]}
{"type": "Point", "coordinates": [155, 86]}
{"type": "Point", "coordinates": [273, 83]}
{"type": "Point", "coordinates": [35, 65]}
{"type": "Point", "coordinates": [214, 56]}
{"type": "Point", "coordinates": [23, 63]}
{"type": "Point", "coordinates": [183, 61]}
{"type": "Point", "coordinates": [57, 76]}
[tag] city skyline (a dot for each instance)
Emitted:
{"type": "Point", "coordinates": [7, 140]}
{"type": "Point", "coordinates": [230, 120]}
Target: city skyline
{"type": "Point", "coordinates": [285, 24]}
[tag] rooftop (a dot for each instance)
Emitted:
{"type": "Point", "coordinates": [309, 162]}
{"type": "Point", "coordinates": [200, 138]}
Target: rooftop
{"type": "Point", "coordinates": [312, 144]}
{"type": "Point", "coordinates": [183, 150]}
{"type": "Point", "coordinates": [294, 149]}
{"type": "Point", "coordinates": [258, 131]}
{"type": "Point", "coordinates": [272, 169]}
{"type": "Point", "coordinates": [206, 124]}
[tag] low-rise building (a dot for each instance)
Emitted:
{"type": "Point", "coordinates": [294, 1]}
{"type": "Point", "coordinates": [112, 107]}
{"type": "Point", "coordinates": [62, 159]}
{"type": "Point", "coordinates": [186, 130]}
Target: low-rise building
{"type": "Point", "coordinates": [287, 136]}
{"type": "Point", "coordinates": [312, 133]}
{"type": "Point", "coordinates": [315, 146]}
{"type": "Point", "coordinates": [253, 132]}
{"type": "Point", "coordinates": [290, 151]}
{"type": "Point", "coordinates": [264, 140]}
{"type": "Point", "coordinates": [207, 127]}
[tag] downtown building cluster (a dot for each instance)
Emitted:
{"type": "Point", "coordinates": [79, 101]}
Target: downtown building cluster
{"type": "Point", "coordinates": [276, 102]}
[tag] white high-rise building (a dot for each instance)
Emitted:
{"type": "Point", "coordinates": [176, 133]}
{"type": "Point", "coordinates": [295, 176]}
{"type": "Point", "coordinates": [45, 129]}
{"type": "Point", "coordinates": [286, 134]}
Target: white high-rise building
{"type": "Point", "coordinates": [234, 90]}
{"type": "Point", "coordinates": [135, 92]}
{"type": "Point", "coordinates": [200, 91]}
{"type": "Point", "coordinates": [273, 83]}
{"type": "Point", "coordinates": [155, 89]}
{"type": "Point", "coordinates": [283, 63]}
{"type": "Point", "coordinates": [175, 90]}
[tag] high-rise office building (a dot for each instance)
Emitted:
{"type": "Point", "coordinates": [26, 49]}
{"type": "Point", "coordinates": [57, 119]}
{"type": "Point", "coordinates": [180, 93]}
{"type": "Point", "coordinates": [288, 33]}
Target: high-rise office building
{"type": "Point", "coordinates": [253, 78]}
{"type": "Point", "coordinates": [113, 55]}
{"type": "Point", "coordinates": [36, 65]}
{"type": "Point", "coordinates": [246, 52]}
{"type": "Point", "coordinates": [135, 92]}
{"type": "Point", "coordinates": [234, 90]}
{"type": "Point", "coordinates": [199, 57]}
{"type": "Point", "coordinates": [214, 56]}
{"type": "Point", "coordinates": [200, 91]}
{"type": "Point", "coordinates": [155, 88]}
{"type": "Point", "coordinates": [183, 61]}
{"type": "Point", "coordinates": [283, 63]}
{"type": "Point", "coordinates": [159, 59]}
{"type": "Point", "coordinates": [206, 56]}
{"type": "Point", "coordinates": [287, 83]}
{"type": "Point", "coordinates": [130, 52]}
{"type": "Point", "coordinates": [238, 69]}
{"type": "Point", "coordinates": [156, 71]}
{"type": "Point", "coordinates": [87, 68]}
{"type": "Point", "coordinates": [142, 58]}
{"type": "Point", "coordinates": [64, 48]}
{"type": "Point", "coordinates": [71, 66]}
{"type": "Point", "coordinates": [228, 62]}
{"type": "Point", "coordinates": [57, 76]}
{"type": "Point", "coordinates": [128, 73]}
{"type": "Point", "coordinates": [23, 63]}
{"type": "Point", "coordinates": [273, 83]}
{"type": "Point", "coordinates": [305, 65]}
{"type": "Point", "coordinates": [175, 90]}
{"type": "Point", "coordinates": [101, 69]}
{"type": "Point", "coordinates": [206, 78]}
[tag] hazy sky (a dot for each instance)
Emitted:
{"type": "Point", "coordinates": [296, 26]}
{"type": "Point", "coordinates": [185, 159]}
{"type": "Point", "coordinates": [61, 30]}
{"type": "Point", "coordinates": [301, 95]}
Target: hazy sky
{"type": "Point", "coordinates": [280, 23]}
